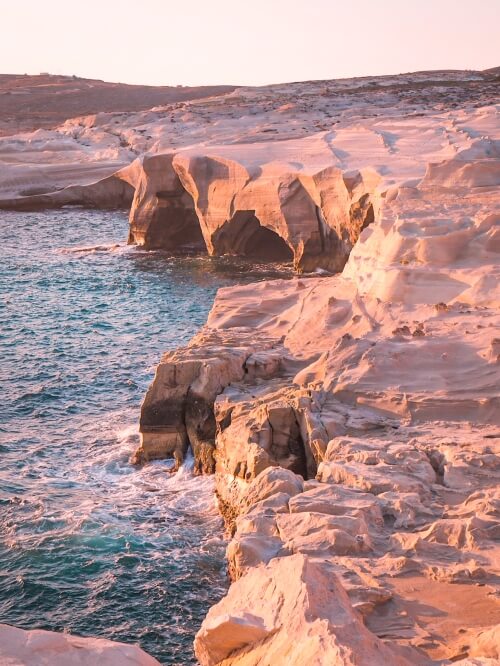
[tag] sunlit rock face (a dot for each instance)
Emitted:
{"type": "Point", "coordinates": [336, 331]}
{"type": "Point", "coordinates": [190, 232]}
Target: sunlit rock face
{"type": "Point", "coordinates": [304, 616]}
{"type": "Point", "coordinates": [263, 212]}
{"type": "Point", "coordinates": [352, 423]}
{"type": "Point", "coordinates": [351, 420]}
{"type": "Point", "coordinates": [387, 330]}
{"type": "Point", "coordinates": [284, 173]}
{"type": "Point", "coordinates": [178, 409]}
{"type": "Point", "coordinates": [37, 648]}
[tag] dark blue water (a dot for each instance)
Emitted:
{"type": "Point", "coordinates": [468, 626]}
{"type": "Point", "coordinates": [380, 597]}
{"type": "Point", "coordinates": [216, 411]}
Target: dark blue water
{"type": "Point", "coordinates": [88, 543]}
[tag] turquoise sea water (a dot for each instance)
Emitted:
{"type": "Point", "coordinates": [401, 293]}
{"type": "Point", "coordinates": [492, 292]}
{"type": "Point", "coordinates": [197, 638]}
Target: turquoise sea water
{"type": "Point", "coordinates": [88, 543]}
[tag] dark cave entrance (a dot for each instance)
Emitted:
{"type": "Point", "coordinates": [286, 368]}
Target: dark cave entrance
{"type": "Point", "coordinates": [175, 225]}
{"type": "Point", "coordinates": [244, 236]}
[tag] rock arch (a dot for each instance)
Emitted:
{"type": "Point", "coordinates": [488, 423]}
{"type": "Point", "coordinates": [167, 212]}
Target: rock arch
{"type": "Point", "coordinates": [207, 204]}
{"type": "Point", "coordinates": [244, 235]}
{"type": "Point", "coordinates": [163, 214]}
{"type": "Point", "coordinates": [174, 224]}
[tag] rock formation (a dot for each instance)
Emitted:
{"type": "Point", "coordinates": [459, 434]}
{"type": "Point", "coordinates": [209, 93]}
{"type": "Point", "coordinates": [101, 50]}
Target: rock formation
{"type": "Point", "coordinates": [304, 617]}
{"type": "Point", "coordinates": [352, 422]}
{"type": "Point", "coordinates": [163, 214]}
{"type": "Point", "coordinates": [262, 212]}
{"type": "Point", "coordinates": [111, 192]}
{"type": "Point", "coordinates": [281, 173]}
{"type": "Point", "coordinates": [48, 648]}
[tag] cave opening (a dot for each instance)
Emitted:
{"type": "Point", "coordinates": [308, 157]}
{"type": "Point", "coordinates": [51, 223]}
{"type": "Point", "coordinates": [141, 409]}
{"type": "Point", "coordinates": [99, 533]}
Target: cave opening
{"type": "Point", "coordinates": [175, 225]}
{"type": "Point", "coordinates": [243, 235]}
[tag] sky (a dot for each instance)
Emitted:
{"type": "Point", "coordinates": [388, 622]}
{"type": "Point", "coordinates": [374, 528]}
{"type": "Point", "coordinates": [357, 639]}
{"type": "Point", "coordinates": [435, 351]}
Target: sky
{"type": "Point", "coordinates": [245, 42]}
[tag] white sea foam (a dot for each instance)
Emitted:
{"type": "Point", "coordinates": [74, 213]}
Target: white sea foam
{"type": "Point", "coordinates": [92, 249]}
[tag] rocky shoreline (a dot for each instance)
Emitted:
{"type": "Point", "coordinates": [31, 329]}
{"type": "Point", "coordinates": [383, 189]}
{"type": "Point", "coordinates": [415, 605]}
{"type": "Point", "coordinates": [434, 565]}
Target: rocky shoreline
{"type": "Point", "coordinates": [19, 647]}
{"type": "Point", "coordinates": [319, 458]}
{"type": "Point", "coordinates": [351, 420]}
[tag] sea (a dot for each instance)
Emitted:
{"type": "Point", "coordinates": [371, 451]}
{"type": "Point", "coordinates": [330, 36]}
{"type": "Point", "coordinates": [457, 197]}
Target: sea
{"type": "Point", "coordinates": [90, 544]}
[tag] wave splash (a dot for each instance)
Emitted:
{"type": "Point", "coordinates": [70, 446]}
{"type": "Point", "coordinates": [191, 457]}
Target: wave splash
{"type": "Point", "coordinates": [92, 249]}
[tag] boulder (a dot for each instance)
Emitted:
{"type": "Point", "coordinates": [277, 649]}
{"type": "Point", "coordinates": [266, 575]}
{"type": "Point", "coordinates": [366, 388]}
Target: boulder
{"type": "Point", "coordinates": [339, 501]}
{"type": "Point", "coordinates": [48, 648]}
{"type": "Point", "coordinates": [269, 482]}
{"type": "Point", "coordinates": [292, 611]}
{"type": "Point", "coordinates": [318, 534]}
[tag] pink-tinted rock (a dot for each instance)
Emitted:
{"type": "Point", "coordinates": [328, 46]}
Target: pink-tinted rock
{"type": "Point", "coordinates": [303, 616]}
{"type": "Point", "coordinates": [47, 648]}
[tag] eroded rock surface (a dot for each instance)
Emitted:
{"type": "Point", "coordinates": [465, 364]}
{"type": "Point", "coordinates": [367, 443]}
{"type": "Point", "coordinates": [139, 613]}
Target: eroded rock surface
{"type": "Point", "coordinates": [304, 616]}
{"type": "Point", "coordinates": [284, 173]}
{"type": "Point", "coordinates": [241, 204]}
{"type": "Point", "coordinates": [49, 648]}
{"type": "Point", "coordinates": [178, 409]}
{"type": "Point", "coordinates": [390, 373]}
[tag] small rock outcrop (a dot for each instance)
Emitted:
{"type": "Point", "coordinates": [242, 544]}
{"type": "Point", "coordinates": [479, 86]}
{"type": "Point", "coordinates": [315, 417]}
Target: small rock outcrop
{"type": "Point", "coordinates": [178, 409]}
{"type": "Point", "coordinates": [48, 648]}
{"type": "Point", "coordinates": [109, 193]}
{"type": "Point", "coordinates": [304, 616]}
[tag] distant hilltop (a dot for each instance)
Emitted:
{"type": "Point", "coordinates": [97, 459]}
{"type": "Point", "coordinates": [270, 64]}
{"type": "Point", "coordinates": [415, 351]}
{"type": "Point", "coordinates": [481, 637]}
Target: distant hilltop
{"type": "Point", "coordinates": [29, 102]}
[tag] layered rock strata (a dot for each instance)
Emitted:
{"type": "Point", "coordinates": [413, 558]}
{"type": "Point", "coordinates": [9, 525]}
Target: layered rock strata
{"type": "Point", "coordinates": [353, 423]}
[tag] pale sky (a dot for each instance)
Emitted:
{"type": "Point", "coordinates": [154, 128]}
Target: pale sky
{"type": "Point", "coordinates": [248, 42]}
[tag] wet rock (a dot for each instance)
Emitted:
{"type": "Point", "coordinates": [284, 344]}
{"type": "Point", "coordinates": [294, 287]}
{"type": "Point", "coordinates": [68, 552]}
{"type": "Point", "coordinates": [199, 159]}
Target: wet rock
{"type": "Point", "coordinates": [178, 409]}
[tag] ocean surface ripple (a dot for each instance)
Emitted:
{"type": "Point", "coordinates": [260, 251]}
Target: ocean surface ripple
{"type": "Point", "coordinates": [88, 543]}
